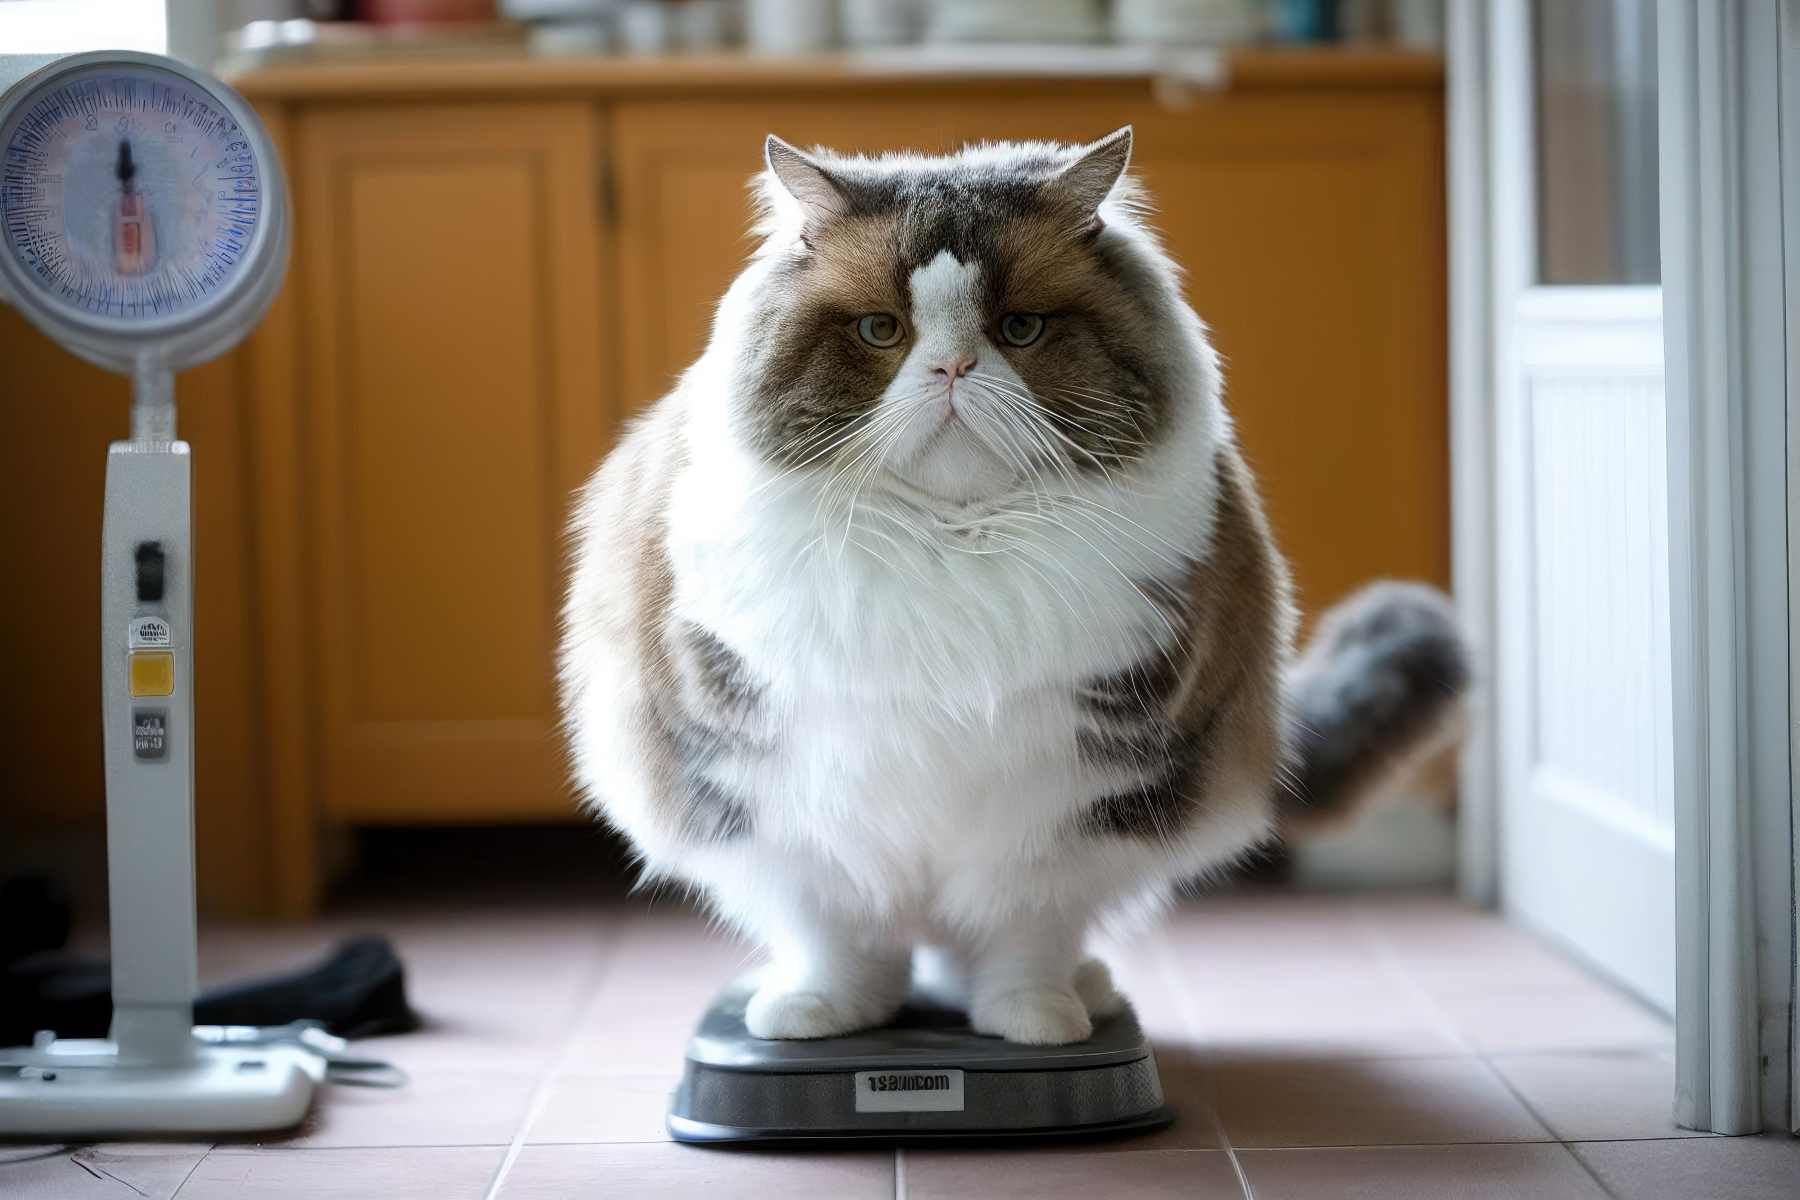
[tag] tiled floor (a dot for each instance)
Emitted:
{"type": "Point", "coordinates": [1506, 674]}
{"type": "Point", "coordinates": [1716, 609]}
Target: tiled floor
{"type": "Point", "coordinates": [1382, 1047]}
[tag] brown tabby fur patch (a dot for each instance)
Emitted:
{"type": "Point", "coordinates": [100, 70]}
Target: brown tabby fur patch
{"type": "Point", "coordinates": [1205, 712]}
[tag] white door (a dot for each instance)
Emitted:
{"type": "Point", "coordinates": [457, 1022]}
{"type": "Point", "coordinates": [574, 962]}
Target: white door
{"type": "Point", "coordinates": [1581, 701]}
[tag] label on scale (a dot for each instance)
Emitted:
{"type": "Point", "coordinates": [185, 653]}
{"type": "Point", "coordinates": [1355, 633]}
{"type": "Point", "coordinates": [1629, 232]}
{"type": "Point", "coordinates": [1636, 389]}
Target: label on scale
{"type": "Point", "coordinates": [150, 633]}
{"type": "Point", "coordinates": [150, 734]}
{"type": "Point", "coordinates": [927, 1090]}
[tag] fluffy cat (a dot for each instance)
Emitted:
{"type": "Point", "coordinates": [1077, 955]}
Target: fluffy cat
{"type": "Point", "coordinates": [935, 608]}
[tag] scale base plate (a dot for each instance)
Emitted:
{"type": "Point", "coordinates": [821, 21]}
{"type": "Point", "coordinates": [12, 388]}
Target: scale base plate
{"type": "Point", "coordinates": [927, 1078]}
{"type": "Point", "coordinates": [79, 1088]}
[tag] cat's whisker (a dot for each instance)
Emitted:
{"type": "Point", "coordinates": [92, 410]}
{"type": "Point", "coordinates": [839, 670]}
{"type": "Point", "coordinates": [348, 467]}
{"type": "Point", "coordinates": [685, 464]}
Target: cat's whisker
{"type": "Point", "coordinates": [1113, 438]}
{"type": "Point", "coordinates": [1105, 402]}
{"type": "Point", "coordinates": [1008, 408]}
{"type": "Point", "coordinates": [1115, 525]}
{"type": "Point", "coordinates": [1030, 405]}
{"type": "Point", "coordinates": [1091, 502]}
{"type": "Point", "coordinates": [878, 434]}
{"type": "Point", "coordinates": [864, 424]}
{"type": "Point", "coordinates": [1090, 427]}
{"type": "Point", "coordinates": [1050, 413]}
{"type": "Point", "coordinates": [875, 454]}
{"type": "Point", "coordinates": [1107, 559]}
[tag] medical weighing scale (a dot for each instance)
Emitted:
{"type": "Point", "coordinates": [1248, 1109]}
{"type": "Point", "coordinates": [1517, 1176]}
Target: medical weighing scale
{"type": "Point", "coordinates": [924, 1078]}
{"type": "Point", "coordinates": [144, 227]}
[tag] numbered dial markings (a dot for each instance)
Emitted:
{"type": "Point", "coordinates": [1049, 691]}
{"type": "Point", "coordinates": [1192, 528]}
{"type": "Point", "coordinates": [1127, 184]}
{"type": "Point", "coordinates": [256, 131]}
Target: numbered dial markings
{"type": "Point", "coordinates": [127, 192]}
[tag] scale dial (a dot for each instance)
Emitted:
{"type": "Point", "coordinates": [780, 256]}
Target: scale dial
{"type": "Point", "coordinates": [140, 205]}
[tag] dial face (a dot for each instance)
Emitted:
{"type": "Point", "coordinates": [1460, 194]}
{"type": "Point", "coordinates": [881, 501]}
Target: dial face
{"type": "Point", "coordinates": [127, 192]}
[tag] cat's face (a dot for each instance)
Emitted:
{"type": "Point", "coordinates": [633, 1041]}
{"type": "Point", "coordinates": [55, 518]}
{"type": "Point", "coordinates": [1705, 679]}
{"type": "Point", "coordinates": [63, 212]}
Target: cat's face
{"type": "Point", "coordinates": [965, 325]}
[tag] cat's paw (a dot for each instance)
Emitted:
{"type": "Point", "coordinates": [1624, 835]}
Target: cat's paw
{"type": "Point", "coordinates": [775, 1012]}
{"type": "Point", "coordinates": [1035, 1017]}
{"type": "Point", "coordinates": [1094, 984]}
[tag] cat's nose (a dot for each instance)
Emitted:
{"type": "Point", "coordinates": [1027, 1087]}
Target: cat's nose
{"type": "Point", "coordinates": [955, 367]}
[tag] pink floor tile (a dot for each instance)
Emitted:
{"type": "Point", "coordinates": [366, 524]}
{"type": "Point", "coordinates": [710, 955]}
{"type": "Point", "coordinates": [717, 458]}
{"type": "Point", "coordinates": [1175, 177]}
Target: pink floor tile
{"type": "Point", "coordinates": [1373, 1102]}
{"type": "Point", "coordinates": [1346, 1019]}
{"type": "Point", "coordinates": [650, 1171]}
{"type": "Point", "coordinates": [1541, 1171]}
{"type": "Point", "coordinates": [1592, 1017]}
{"type": "Point", "coordinates": [1449, 949]}
{"type": "Point", "coordinates": [412, 1173]}
{"type": "Point", "coordinates": [434, 1108]}
{"type": "Point", "coordinates": [603, 1108]}
{"type": "Point", "coordinates": [1753, 1168]}
{"type": "Point", "coordinates": [1047, 1174]}
{"type": "Point", "coordinates": [116, 1171]}
{"type": "Point", "coordinates": [1598, 1097]}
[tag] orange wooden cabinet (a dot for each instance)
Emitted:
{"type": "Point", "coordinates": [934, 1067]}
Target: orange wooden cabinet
{"type": "Point", "coordinates": [451, 260]}
{"type": "Point", "coordinates": [497, 262]}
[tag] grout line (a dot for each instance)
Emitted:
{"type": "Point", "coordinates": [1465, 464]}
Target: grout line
{"type": "Point", "coordinates": [899, 1173]}
{"type": "Point", "coordinates": [1391, 966]}
{"type": "Point", "coordinates": [245, 1149]}
{"type": "Point", "coordinates": [540, 1092]}
{"type": "Point", "coordinates": [1524, 1101]}
{"type": "Point", "coordinates": [1616, 1050]}
{"type": "Point", "coordinates": [176, 1190]}
{"type": "Point", "coordinates": [1388, 962]}
{"type": "Point", "coordinates": [1190, 1019]}
{"type": "Point", "coordinates": [1569, 1149]}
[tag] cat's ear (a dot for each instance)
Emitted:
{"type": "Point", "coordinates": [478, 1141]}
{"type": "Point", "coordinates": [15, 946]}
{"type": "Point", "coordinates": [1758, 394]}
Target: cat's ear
{"type": "Point", "coordinates": [1089, 179]}
{"type": "Point", "coordinates": [822, 197]}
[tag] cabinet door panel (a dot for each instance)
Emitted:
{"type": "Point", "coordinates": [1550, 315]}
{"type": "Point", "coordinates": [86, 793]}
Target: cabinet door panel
{"type": "Point", "coordinates": [1310, 225]}
{"type": "Point", "coordinates": [455, 399]}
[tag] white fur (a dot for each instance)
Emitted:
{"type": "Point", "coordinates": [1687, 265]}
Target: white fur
{"type": "Point", "coordinates": [918, 649]}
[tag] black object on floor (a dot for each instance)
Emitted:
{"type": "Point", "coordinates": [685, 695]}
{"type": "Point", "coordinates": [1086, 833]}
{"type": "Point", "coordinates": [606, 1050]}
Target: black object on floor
{"type": "Point", "coordinates": [356, 990]}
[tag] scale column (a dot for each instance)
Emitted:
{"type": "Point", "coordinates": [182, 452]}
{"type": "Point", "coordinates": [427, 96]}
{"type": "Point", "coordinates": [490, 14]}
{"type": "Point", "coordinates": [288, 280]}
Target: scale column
{"type": "Point", "coordinates": [147, 680]}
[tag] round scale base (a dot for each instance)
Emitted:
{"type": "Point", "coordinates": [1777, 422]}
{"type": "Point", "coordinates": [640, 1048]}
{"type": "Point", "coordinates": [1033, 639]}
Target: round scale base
{"type": "Point", "coordinates": [74, 1089]}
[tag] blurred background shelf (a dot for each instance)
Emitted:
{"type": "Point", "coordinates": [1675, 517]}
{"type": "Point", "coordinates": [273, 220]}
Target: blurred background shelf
{"type": "Point", "coordinates": [512, 72]}
{"type": "Point", "coordinates": [501, 257]}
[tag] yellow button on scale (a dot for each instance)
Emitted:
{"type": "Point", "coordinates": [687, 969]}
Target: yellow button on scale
{"type": "Point", "coordinates": [152, 672]}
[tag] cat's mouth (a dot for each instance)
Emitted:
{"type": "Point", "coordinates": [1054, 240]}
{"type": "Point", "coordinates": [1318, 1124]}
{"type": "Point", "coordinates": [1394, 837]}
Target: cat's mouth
{"type": "Point", "coordinates": [950, 422]}
{"type": "Point", "coordinates": [951, 460]}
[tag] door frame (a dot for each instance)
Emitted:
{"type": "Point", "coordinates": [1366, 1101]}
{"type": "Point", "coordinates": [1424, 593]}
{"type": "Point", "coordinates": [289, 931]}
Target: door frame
{"type": "Point", "coordinates": [1728, 382]}
{"type": "Point", "coordinates": [1788, 84]}
{"type": "Point", "coordinates": [1472, 436]}
{"type": "Point", "coordinates": [1732, 73]}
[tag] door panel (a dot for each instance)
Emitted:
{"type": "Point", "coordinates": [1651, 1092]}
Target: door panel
{"type": "Point", "coordinates": [1583, 669]}
{"type": "Point", "coordinates": [455, 402]}
{"type": "Point", "coordinates": [1587, 815]}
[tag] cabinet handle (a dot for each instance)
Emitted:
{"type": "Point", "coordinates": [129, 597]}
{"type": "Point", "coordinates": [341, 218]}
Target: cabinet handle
{"type": "Point", "coordinates": [605, 193]}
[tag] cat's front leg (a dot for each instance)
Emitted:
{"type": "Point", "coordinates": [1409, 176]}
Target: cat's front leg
{"type": "Point", "coordinates": [826, 977]}
{"type": "Point", "coordinates": [1022, 984]}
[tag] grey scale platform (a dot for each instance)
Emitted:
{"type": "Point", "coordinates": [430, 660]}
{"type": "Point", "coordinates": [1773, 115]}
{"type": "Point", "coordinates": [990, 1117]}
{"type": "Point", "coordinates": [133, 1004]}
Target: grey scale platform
{"type": "Point", "coordinates": [927, 1078]}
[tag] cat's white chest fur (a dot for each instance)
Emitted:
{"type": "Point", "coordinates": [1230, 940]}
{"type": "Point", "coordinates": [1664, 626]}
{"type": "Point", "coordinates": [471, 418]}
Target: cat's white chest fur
{"type": "Point", "coordinates": [921, 689]}
{"type": "Point", "coordinates": [921, 670]}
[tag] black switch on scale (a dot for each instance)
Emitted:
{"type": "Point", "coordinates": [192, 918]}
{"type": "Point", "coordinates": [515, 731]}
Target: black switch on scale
{"type": "Point", "coordinates": [149, 572]}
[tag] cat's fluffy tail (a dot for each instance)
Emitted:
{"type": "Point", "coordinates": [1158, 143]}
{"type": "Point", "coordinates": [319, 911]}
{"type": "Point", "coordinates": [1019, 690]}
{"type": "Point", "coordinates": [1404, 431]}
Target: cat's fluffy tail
{"type": "Point", "coordinates": [1378, 691]}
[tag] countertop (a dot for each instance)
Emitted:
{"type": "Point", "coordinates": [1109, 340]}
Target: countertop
{"type": "Point", "coordinates": [912, 68]}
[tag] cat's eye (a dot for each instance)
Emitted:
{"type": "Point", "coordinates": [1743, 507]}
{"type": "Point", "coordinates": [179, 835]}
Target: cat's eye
{"type": "Point", "coordinates": [1021, 329]}
{"type": "Point", "coordinates": [880, 330]}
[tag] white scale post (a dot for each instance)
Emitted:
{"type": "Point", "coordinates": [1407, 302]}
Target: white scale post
{"type": "Point", "coordinates": [144, 227]}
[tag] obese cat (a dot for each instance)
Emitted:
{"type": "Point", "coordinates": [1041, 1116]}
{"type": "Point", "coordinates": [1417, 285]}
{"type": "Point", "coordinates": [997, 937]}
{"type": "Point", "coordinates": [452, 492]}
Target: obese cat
{"type": "Point", "coordinates": [932, 619]}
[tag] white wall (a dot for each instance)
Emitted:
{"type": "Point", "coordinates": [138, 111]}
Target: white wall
{"type": "Point", "coordinates": [70, 26]}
